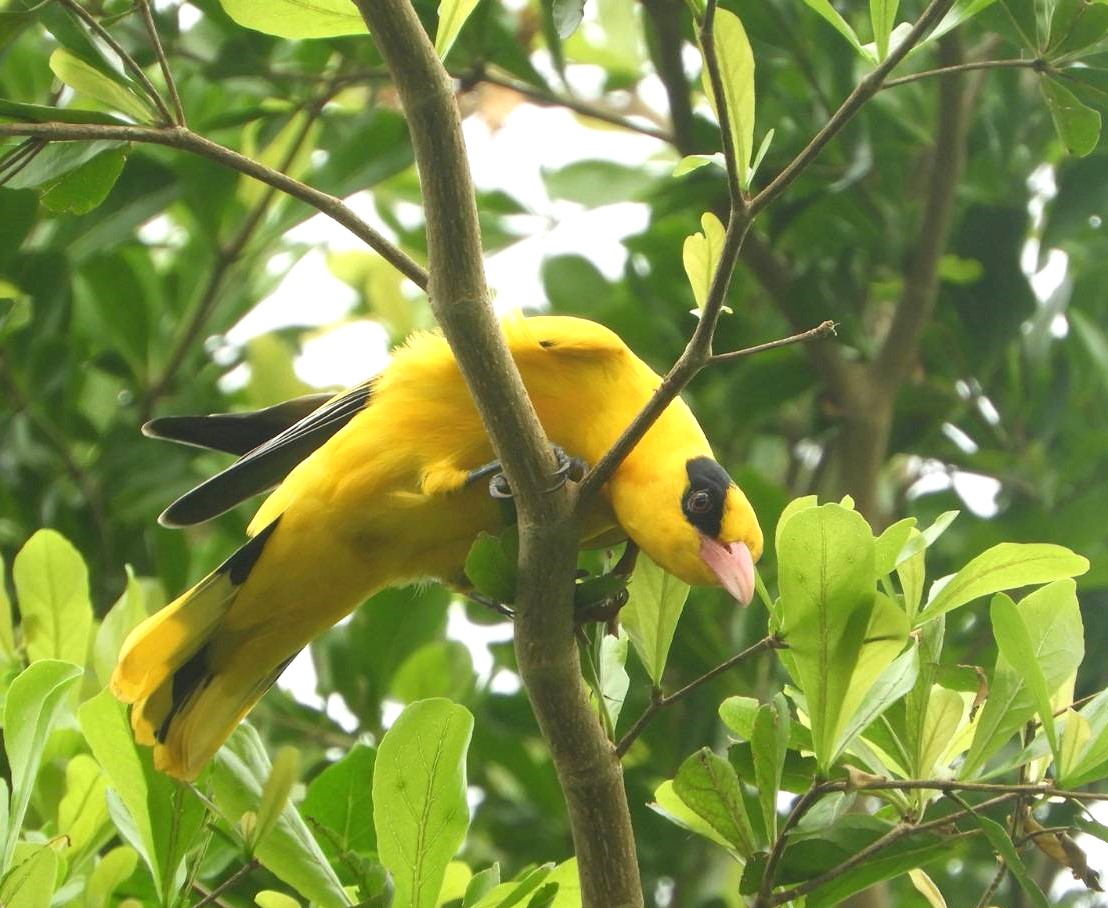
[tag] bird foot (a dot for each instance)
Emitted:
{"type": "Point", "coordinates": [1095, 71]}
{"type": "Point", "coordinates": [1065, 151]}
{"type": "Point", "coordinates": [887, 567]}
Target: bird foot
{"type": "Point", "coordinates": [605, 611]}
{"type": "Point", "coordinates": [567, 468]}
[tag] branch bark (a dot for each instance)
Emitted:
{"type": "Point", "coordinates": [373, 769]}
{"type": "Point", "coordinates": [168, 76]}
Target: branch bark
{"type": "Point", "coordinates": [589, 772]}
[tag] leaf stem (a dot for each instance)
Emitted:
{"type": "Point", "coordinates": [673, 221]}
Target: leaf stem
{"type": "Point", "coordinates": [1037, 64]}
{"type": "Point", "coordinates": [163, 62]}
{"type": "Point", "coordinates": [823, 329]}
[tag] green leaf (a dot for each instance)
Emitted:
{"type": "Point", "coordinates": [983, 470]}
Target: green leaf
{"type": "Point", "coordinates": [890, 543]}
{"type": "Point", "coordinates": [891, 685]}
{"type": "Point", "coordinates": [290, 851]}
{"type": "Point", "coordinates": [110, 872]}
{"type": "Point", "coordinates": [882, 14]}
{"type": "Point", "coordinates": [269, 898]}
{"type": "Point", "coordinates": [669, 804]}
{"type": "Point", "coordinates": [1026, 20]}
{"type": "Point", "coordinates": [452, 16]}
{"type": "Point", "coordinates": [86, 80]}
{"type": "Point", "coordinates": [567, 877]}
{"type": "Point", "coordinates": [481, 885]}
{"type": "Point", "coordinates": [36, 701]}
{"type": "Point", "coordinates": [419, 797]}
{"type": "Point", "coordinates": [1002, 844]}
{"type": "Point", "coordinates": [1014, 643]}
{"type": "Point", "coordinates": [516, 892]}
{"type": "Point", "coordinates": [947, 711]}
{"type": "Point", "coordinates": [792, 508]}
{"type": "Point", "coordinates": [490, 570]}
{"type": "Point", "coordinates": [438, 669]}
{"type": "Point", "coordinates": [708, 784]}
{"type": "Point", "coordinates": [736, 67]}
{"type": "Point", "coordinates": [692, 162]}
{"type": "Point", "coordinates": [30, 884]}
{"type": "Point", "coordinates": [916, 543]}
{"type": "Point", "coordinates": [912, 572]}
{"type": "Point", "coordinates": [613, 680]}
{"type": "Point", "coordinates": [51, 584]}
{"type": "Point", "coordinates": [825, 9]}
{"type": "Point", "coordinates": [297, 18]}
{"type": "Point", "coordinates": [656, 600]}
{"type": "Point", "coordinates": [826, 576]}
{"type": "Point", "coordinates": [83, 811]}
{"type": "Point", "coordinates": [1076, 25]}
{"type": "Point", "coordinates": [959, 13]}
{"type": "Point", "coordinates": [1077, 126]}
{"type": "Point", "coordinates": [275, 793]}
{"type": "Point", "coordinates": [770, 744]}
{"type": "Point", "coordinates": [8, 652]}
{"type": "Point", "coordinates": [567, 16]}
{"type": "Point", "coordinates": [125, 615]}
{"type": "Point", "coordinates": [341, 799]}
{"type": "Point", "coordinates": [83, 189]}
{"type": "Point", "coordinates": [740, 713]}
{"type": "Point", "coordinates": [596, 183]}
{"type": "Point", "coordinates": [41, 113]}
{"type": "Point", "coordinates": [1004, 567]}
{"type": "Point", "coordinates": [701, 254]}
{"type": "Point", "coordinates": [1052, 617]}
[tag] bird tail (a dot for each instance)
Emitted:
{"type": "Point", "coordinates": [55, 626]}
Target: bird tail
{"type": "Point", "coordinates": [186, 699]}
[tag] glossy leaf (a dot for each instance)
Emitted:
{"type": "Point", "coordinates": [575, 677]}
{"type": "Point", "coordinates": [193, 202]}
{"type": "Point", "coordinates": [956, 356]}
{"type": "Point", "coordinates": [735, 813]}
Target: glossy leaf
{"type": "Point", "coordinates": [297, 18]}
{"type": "Point", "coordinates": [708, 785]}
{"type": "Point", "coordinates": [701, 254]}
{"type": "Point", "coordinates": [670, 805]}
{"type": "Point", "coordinates": [87, 80]}
{"type": "Point", "coordinates": [1006, 566]}
{"type": "Point", "coordinates": [128, 610]}
{"type": "Point", "coordinates": [340, 799]}
{"type": "Point", "coordinates": [656, 600]}
{"type": "Point", "coordinates": [1077, 126]}
{"type": "Point", "coordinates": [110, 872]}
{"type": "Point", "coordinates": [36, 702]}
{"type": "Point", "coordinates": [452, 16]}
{"type": "Point", "coordinates": [770, 744]}
{"type": "Point", "coordinates": [826, 576]}
{"type": "Point", "coordinates": [419, 797]}
{"type": "Point", "coordinates": [83, 189]}
{"type": "Point", "coordinates": [1002, 844]}
{"type": "Point", "coordinates": [736, 66]}
{"type": "Point", "coordinates": [832, 15]}
{"type": "Point", "coordinates": [8, 652]}
{"type": "Point", "coordinates": [882, 15]}
{"type": "Point", "coordinates": [51, 586]}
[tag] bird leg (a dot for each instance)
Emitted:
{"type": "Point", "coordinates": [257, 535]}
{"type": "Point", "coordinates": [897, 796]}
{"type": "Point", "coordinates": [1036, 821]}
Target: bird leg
{"type": "Point", "coordinates": [608, 608]}
{"type": "Point", "coordinates": [568, 468]}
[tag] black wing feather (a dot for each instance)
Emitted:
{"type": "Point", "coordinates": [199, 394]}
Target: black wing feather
{"type": "Point", "coordinates": [235, 433]}
{"type": "Point", "coordinates": [266, 465]}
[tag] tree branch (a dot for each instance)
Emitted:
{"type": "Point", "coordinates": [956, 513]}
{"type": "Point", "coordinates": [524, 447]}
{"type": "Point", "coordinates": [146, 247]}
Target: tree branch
{"type": "Point", "coordinates": [1037, 64]}
{"type": "Point", "coordinates": [588, 772]}
{"type": "Point", "coordinates": [104, 35]}
{"type": "Point", "coordinates": [549, 99]}
{"type": "Point", "coordinates": [863, 91]}
{"type": "Point", "coordinates": [823, 329]}
{"type": "Point", "coordinates": [226, 256]}
{"type": "Point", "coordinates": [163, 63]}
{"type": "Point", "coordinates": [659, 702]}
{"type": "Point", "coordinates": [186, 140]}
{"type": "Point", "coordinates": [921, 285]}
{"type": "Point", "coordinates": [213, 896]}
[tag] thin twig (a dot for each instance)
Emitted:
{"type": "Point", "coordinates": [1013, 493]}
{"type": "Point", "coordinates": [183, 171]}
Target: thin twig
{"type": "Point", "coordinates": [994, 884]}
{"type": "Point", "coordinates": [1036, 64]}
{"type": "Point", "coordinates": [799, 809]}
{"type": "Point", "coordinates": [863, 91]}
{"type": "Point", "coordinates": [186, 140]}
{"type": "Point", "coordinates": [549, 99]}
{"type": "Point", "coordinates": [226, 257]}
{"type": "Point", "coordinates": [90, 20]}
{"type": "Point", "coordinates": [823, 329]}
{"type": "Point", "coordinates": [658, 701]}
{"type": "Point", "coordinates": [245, 870]}
{"type": "Point", "coordinates": [163, 62]}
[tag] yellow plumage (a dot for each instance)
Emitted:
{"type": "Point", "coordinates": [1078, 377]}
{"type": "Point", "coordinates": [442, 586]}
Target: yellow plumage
{"type": "Point", "coordinates": [385, 501]}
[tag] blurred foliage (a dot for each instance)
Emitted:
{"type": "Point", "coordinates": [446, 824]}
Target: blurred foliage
{"type": "Point", "coordinates": [124, 266]}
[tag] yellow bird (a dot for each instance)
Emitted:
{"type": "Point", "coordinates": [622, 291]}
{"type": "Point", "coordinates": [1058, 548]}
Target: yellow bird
{"type": "Point", "coordinates": [376, 487]}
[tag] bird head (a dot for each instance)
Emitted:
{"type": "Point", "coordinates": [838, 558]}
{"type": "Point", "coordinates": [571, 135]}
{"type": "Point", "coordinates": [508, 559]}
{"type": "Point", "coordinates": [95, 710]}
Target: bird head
{"type": "Point", "coordinates": [692, 520]}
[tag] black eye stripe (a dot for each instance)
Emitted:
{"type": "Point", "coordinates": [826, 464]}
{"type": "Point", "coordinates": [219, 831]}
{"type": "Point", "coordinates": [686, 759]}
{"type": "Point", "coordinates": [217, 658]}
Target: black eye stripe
{"type": "Point", "coordinates": [705, 497]}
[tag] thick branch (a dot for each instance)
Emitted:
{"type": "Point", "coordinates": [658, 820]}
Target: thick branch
{"type": "Point", "coordinates": [186, 140]}
{"type": "Point", "coordinates": [921, 284]}
{"type": "Point", "coordinates": [589, 774]}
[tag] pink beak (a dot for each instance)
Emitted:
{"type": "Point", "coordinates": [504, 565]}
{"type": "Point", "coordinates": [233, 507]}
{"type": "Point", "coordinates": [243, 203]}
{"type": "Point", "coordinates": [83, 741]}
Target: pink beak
{"type": "Point", "coordinates": [733, 566]}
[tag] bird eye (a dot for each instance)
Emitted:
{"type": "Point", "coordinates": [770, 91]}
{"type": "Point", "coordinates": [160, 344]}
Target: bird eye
{"type": "Point", "coordinates": [700, 502]}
